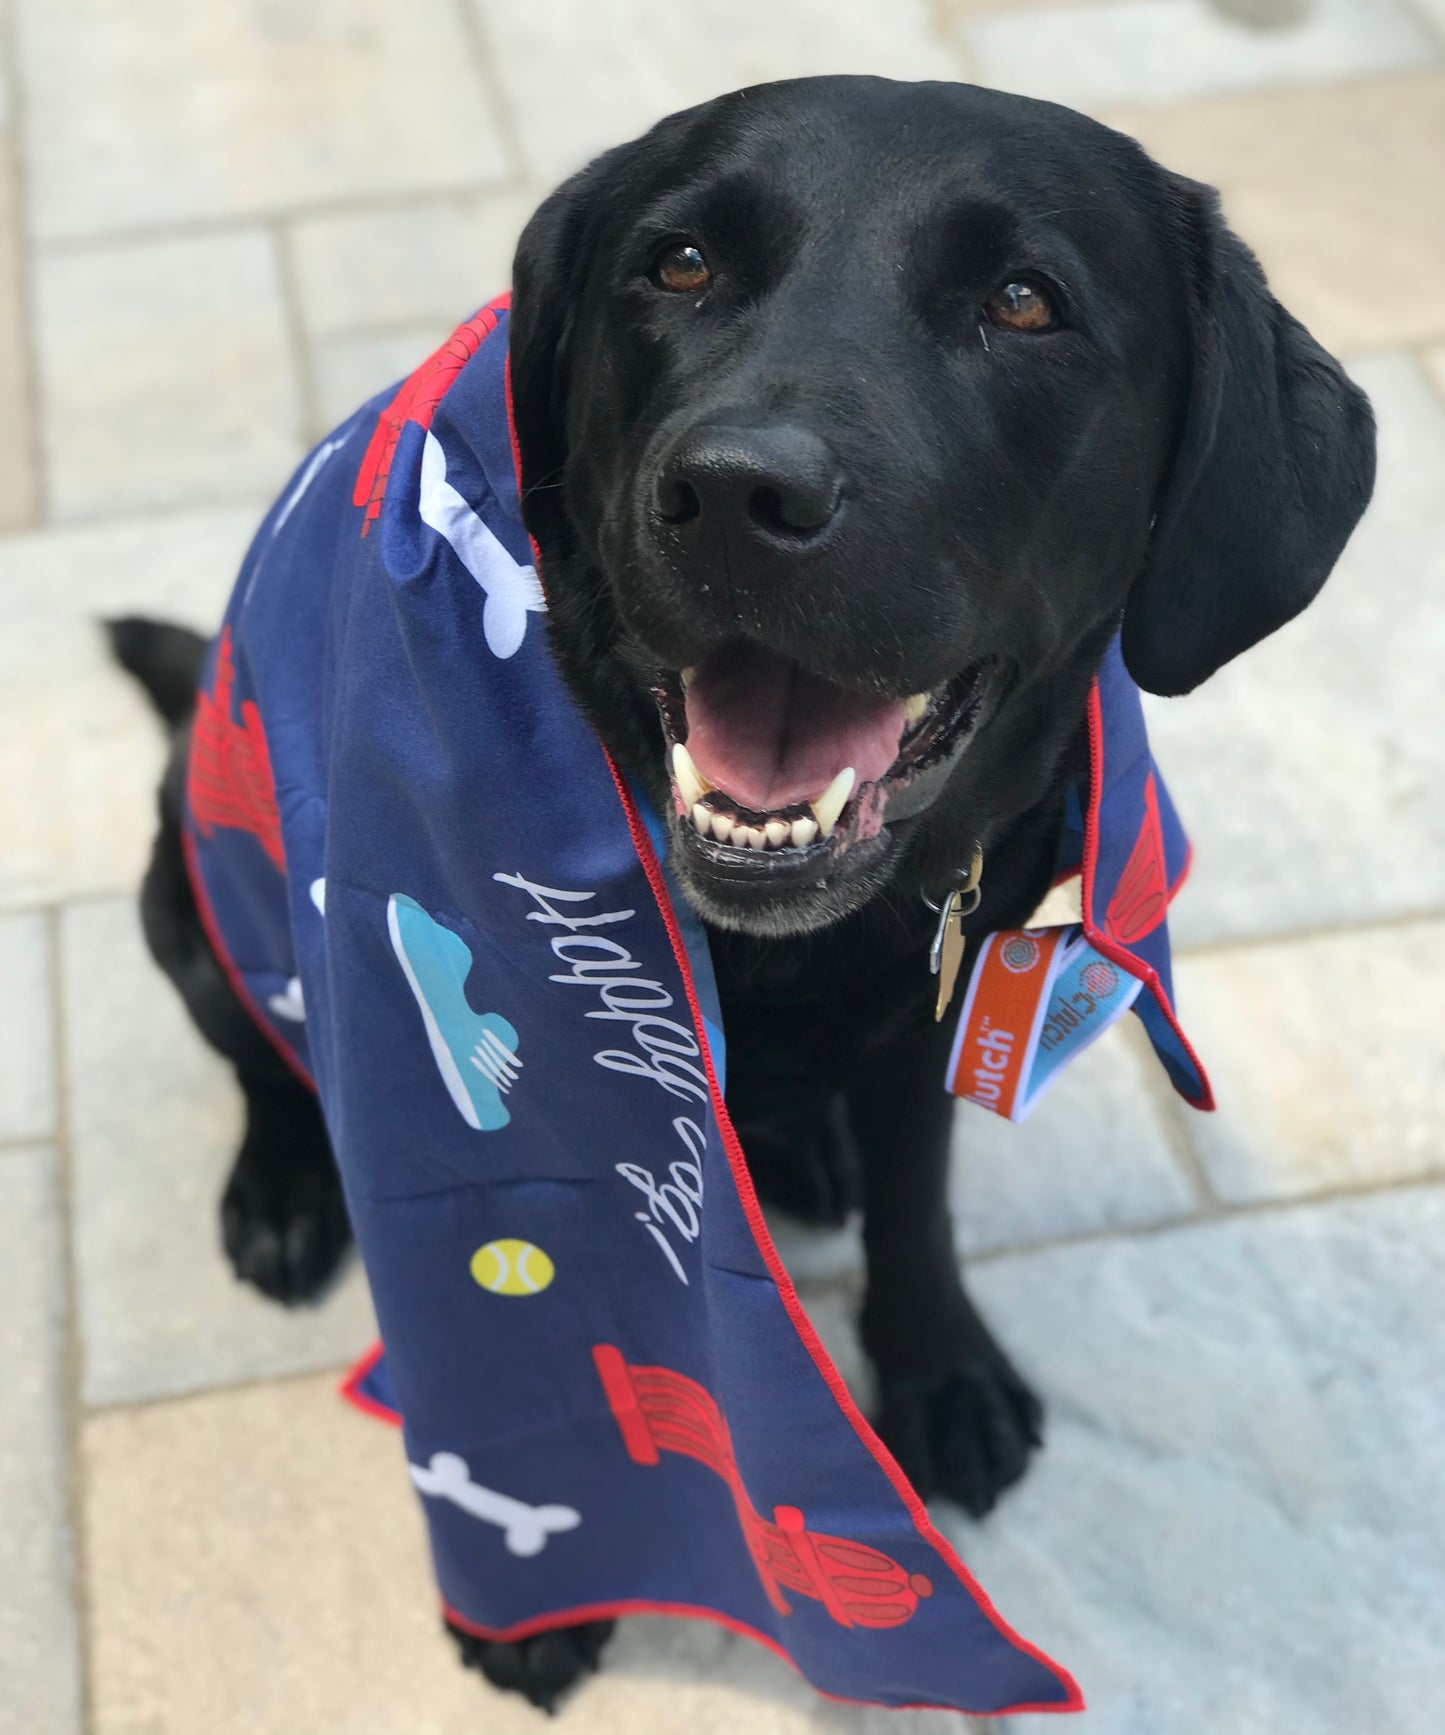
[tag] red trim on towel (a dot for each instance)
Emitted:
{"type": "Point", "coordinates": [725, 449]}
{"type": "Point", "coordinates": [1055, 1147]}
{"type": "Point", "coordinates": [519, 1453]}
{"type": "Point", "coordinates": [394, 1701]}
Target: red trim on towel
{"type": "Point", "coordinates": [228, 964]}
{"type": "Point", "coordinates": [607, 1611]}
{"type": "Point", "coordinates": [1074, 1700]}
{"type": "Point", "coordinates": [1097, 938]}
{"type": "Point", "coordinates": [416, 400]}
{"type": "Point", "coordinates": [350, 1388]}
{"type": "Point", "coordinates": [748, 1199]}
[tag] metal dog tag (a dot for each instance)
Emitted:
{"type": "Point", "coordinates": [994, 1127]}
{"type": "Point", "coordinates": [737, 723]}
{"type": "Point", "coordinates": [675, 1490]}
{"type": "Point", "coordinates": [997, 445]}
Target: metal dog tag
{"type": "Point", "coordinates": [945, 956]}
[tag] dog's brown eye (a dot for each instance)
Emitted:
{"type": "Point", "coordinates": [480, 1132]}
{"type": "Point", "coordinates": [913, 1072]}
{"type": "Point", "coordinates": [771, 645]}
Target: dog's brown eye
{"type": "Point", "coordinates": [681, 268]}
{"type": "Point", "coordinates": [1022, 306]}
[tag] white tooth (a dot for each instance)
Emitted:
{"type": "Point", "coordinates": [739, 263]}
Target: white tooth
{"type": "Point", "coordinates": [804, 831]}
{"type": "Point", "coordinates": [722, 827]}
{"type": "Point", "coordinates": [687, 675]}
{"type": "Point", "coordinates": [776, 831]}
{"type": "Point", "coordinates": [702, 819]}
{"type": "Point", "coordinates": [757, 838]}
{"type": "Point", "coordinates": [690, 785]}
{"type": "Point", "coordinates": [914, 708]}
{"type": "Point", "coordinates": [833, 800]}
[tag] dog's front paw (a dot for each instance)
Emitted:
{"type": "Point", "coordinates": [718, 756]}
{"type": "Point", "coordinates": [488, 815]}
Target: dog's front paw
{"type": "Point", "coordinates": [966, 1436]}
{"type": "Point", "coordinates": [285, 1229]}
{"type": "Point", "coordinates": [541, 1669]}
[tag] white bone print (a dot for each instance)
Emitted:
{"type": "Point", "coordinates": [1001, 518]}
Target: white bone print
{"type": "Point", "coordinates": [512, 591]}
{"type": "Point", "coordinates": [526, 1529]}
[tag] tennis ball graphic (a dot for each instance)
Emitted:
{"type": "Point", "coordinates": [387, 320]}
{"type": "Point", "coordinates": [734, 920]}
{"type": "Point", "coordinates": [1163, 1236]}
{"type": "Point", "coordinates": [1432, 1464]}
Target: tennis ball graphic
{"type": "Point", "coordinates": [511, 1267]}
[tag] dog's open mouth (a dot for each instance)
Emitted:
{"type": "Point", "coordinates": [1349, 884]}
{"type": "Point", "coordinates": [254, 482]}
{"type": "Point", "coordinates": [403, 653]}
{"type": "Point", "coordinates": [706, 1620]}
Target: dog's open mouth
{"type": "Point", "coordinates": [772, 764]}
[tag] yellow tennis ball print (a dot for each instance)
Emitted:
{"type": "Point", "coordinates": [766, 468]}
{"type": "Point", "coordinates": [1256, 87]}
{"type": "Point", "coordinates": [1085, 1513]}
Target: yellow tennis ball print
{"type": "Point", "coordinates": [511, 1267]}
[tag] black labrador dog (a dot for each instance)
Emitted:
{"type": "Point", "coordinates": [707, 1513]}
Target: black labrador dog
{"type": "Point", "coordinates": [855, 418]}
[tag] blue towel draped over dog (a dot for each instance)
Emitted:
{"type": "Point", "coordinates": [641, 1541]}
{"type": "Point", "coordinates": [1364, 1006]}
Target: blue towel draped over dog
{"type": "Point", "coordinates": [446, 908]}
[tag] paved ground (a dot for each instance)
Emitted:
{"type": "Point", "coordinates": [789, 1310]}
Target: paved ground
{"type": "Point", "coordinates": [220, 225]}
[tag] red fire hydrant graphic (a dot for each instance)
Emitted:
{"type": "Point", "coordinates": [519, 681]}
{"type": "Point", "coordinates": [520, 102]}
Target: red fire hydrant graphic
{"type": "Point", "coordinates": [229, 782]}
{"type": "Point", "coordinates": [1141, 898]}
{"type": "Point", "coordinates": [416, 401]}
{"type": "Point", "coordinates": [657, 1410]}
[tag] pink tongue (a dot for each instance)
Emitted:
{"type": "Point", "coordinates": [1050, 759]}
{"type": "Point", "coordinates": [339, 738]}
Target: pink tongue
{"type": "Point", "coordinates": [769, 734]}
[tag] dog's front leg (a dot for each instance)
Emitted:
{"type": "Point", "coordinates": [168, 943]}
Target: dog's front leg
{"type": "Point", "coordinates": [952, 1408]}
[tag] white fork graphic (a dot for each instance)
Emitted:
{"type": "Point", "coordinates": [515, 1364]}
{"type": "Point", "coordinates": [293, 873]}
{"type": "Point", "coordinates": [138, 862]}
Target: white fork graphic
{"type": "Point", "coordinates": [525, 1528]}
{"type": "Point", "coordinates": [495, 1061]}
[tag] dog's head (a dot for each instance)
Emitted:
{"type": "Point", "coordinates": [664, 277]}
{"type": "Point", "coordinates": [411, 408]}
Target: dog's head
{"type": "Point", "coordinates": [855, 417]}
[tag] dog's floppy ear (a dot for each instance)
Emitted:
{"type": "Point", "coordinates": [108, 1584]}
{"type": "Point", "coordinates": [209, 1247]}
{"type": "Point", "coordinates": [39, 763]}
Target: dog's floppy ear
{"type": "Point", "coordinates": [548, 273]}
{"type": "Point", "coordinates": [1274, 466]}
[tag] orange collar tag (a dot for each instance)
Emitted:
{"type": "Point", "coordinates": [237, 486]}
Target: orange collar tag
{"type": "Point", "coordinates": [1038, 997]}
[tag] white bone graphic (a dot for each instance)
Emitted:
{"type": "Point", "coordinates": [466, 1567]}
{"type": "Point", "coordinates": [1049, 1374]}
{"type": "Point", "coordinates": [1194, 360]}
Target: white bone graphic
{"type": "Point", "coordinates": [526, 1527]}
{"type": "Point", "coordinates": [513, 592]}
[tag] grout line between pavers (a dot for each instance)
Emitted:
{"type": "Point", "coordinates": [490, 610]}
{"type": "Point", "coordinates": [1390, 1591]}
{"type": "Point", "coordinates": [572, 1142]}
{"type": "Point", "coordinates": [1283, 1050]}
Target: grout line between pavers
{"type": "Point", "coordinates": [1434, 377]}
{"type": "Point", "coordinates": [1322, 931]}
{"type": "Point", "coordinates": [1107, 114]}
{"type": "Point", "coordinates": [123, 517]}
{"type": "Point", "coordinates": [24, 1147]}
{"type": "Point", "coordinates": [1229, 1211]}
{"type": "Point", "coordinates": [948, 34]}
{"type": "Point", "coordinates": [382, 329]}
{"type": "Point", "coordinates": [195, 1394]}
{"type": "Point", "coordinates": [1433, 26]}
{"type": "Point", "coordinates": [469, 18]}
{"type": "Point", "coordinates": [296, 337]}
{"type": "Point", "coordinates": [1174, 1116]}
{"type": "Point", "coordinates": [73, 1355]}
{"type": "Point", "coordinates": [64, 902]}
{"type": "Point", "coordinates": [25, 297]}
{"type": "Point", "coordinates": [361, 204]}
{"type": "Point", "coordinates": [1413, 349]}
{"type": "Point", "coordinates": [1207, 1204]}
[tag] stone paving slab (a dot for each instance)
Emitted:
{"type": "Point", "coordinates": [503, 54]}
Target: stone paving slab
{"type": "Point", "coordinates": [27, 1012]}
{"type": "Point", "coordinates": [155, 1120]}
{"type": "Point", "coordinates": [583, 77]}
{"type": "Point", "coordinates": [1237, 1526]}
{"type": "Point", "coordinates": [1337, 189]}
{"type": "Point", "coordinates": [1327, 1059]}
{"type": "Point", "coordinates": [167, 112]}
{"type": "Point", "coordinates": [1434, 10]}
{"type": "Point", "coordinates": [257, 1567]}
{"type": "Point", "coordinates": [348, 369]}
{"type": "Point", "coordinates": [80, 750]}
{"type": "Point", "coordinates": [1309, 771]}
{"type": "Point", "coordinates": [38, 1647]}
{"type": "Point", "coordinates": [19, 472]}
{"type": "Point", "coordinates": [1165, 51]}
{"type": "Point", "coordinates": [167, 373]}
{"type": "Point", "coordinates": [425, 262]}
{"type": "Point", "coordinates": [1099, 1152]}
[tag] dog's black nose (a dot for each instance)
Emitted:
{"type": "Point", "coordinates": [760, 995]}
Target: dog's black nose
{"type": "Point", "coordinates": [779, 479]}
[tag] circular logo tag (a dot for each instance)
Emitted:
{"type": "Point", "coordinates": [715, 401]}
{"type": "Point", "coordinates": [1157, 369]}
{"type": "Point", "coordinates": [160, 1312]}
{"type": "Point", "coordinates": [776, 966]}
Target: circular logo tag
{"type": "Point", "coordinates": [1019, 954]}
{"type": "Point", "coordinates": [1101, 979]}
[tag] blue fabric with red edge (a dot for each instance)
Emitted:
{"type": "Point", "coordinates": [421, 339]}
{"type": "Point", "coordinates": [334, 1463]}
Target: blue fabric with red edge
{"type": "Point", "coordinates": [1125, 840]}
{"type": "Point", "coordinates": [443, 904]}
